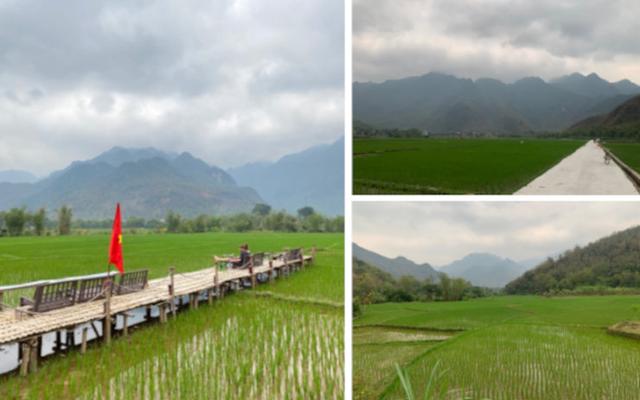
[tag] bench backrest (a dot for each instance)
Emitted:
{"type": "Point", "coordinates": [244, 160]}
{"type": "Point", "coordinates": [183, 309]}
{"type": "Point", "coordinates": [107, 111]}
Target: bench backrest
{"type": "Point", "coordinates": [294, 254]}
{"type": "Point", "coordinates": [52, 296]}
{"type": "Point", "coordinates": [134, 281]}
{"type": "Point", "coordinates": [90, 289]}
{"type": "Point", "coordinates": [258, 259]}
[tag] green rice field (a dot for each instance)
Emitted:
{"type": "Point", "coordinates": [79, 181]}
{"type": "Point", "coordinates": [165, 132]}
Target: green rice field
{"type": "Point", "coordinates": [629, 153]}
{"type": "Point", "coordinates": [511, 347]}
{"type": "Point", "coordinates": [453, 166]}
{"type": "Point", "coordinates": [288, 345]}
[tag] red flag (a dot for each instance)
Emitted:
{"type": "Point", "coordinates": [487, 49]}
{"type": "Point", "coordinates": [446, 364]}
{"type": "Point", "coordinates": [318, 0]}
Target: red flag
{"type": "Point", "coordinates": [115, 248]}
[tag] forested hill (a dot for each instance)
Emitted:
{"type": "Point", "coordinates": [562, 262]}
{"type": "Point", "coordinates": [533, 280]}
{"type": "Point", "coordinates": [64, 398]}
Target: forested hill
{"type": "Point", "coordinates": [613, 261]}
{"type": "Point", "coordinates": [622, 122]}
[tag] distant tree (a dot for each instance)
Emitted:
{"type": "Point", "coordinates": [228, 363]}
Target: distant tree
{"type": "Point", "coordinates": [305, 212]}
{"type": "Point", "coordinates": [15, 220]}
{"type": "Point", "coordinates": [135, 222]}
{"type": "Point", "coordinates": [200, 223]}
{"type": "Point", "coordinates": [281, 222]}
{"type": "Point", "coordinates": [154, 224]}
{"type": "Point", "coordinates": [261, 209]}
{"type": "Point", "coordinates": [357, 310]}
{"type": "Point", "coordinates": [399, 296]}
{"type": "Point", "coordinates": [408, 284]}
{"type": "Point", "coordinates": [65, 215]}
{"type": "Point", "coordinates": [239, 223]}
{"type": "Point", "coordinates": [445, 286]}
{"type": "Point", "coordinates": [429, 290]}
{"type": "Point", "coordinates": [173, 221]}
{"type": "Point", "coordinates": [314, 223]}
{"type": "Point", "coordinates": [458, 288]}
{"type": "Point", "coordinates": [337, 224]}
{"type": "Point", "coordinates": [214, 223]}
{"type": "Point", "coordinates": [186, 226]}
{"type": "Point", "coordinates": [39, 219]}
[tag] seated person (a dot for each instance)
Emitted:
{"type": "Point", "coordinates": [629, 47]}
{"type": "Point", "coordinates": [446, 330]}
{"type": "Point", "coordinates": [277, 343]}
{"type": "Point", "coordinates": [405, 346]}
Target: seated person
{"type": "Point", "coordinates": [239, 262]}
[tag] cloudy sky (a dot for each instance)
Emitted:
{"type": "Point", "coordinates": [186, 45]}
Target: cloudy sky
{"type": "Point", "coordinates": [503, 39]}
{"type": "Point", "coordinates": [439, 233]}
{"type": "Point", "coordinates": [229, 81]}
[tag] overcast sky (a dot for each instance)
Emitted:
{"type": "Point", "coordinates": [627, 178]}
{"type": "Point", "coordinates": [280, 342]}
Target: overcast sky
{"type": "Point", "coordinates": [439, 233]}
{"type": "Point", "coordinates": [503, 39]}
{"type": "Point", "coordinates": [229, 81]}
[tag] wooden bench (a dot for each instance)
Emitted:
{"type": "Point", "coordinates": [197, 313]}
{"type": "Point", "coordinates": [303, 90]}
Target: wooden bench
{"type": "Point", "coordinates": [52, 296]}
{"type": "Point", "coordinates": [91, 289]}
{"type": "Point", "coordinates": [258, 259]}
{"type": "Point", "coordinates": [134, 281]}
{"type": "Point", "coordinates": [55, 294]}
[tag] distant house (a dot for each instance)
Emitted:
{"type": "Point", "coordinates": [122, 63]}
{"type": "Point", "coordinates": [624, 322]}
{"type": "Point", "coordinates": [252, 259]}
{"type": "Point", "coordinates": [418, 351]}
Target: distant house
{"type": "Point", "coordinates": [425, 133]}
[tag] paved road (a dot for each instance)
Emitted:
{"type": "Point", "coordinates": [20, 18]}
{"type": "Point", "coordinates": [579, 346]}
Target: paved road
{"type": "Point", "coordinates": [583, 172]}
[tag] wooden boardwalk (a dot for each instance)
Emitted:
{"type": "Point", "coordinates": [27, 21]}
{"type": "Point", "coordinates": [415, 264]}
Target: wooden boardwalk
{"type": "Point", "coordinates": [28, 328]}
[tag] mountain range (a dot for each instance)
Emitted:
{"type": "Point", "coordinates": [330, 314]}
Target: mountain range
{"type": "Point", "coordinates": [481, 269]}
{"type": "Point", "coordinates": [147, 182]}
{"type": "Point", "coordinates": [397, 267]}
{"type": "Point", "coordinates": [484, 269]}
{"type": "Point", "coordinates": [441, 103]}
{"type": "Point", "coordinates": [150, 182]}
{"type": "Point", "coordinates": [314, 177]}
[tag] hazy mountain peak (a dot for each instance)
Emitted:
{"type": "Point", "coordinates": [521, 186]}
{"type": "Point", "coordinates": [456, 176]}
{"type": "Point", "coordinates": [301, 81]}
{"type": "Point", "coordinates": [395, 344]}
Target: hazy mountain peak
{"type": "Point", "coordinates": [484, 269]}
{"type": "Point", "coordinates": [118, 155]}
{"type": "Point", "coordinates": [398, 266]}
{"type": "Point", "coordinates": [147, 182]}
{"type": "Point", "coordinates": [312, 177]}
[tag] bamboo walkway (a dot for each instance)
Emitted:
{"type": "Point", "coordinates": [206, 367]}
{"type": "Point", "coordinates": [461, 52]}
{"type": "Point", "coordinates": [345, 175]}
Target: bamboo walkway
{"type": "Point", "coordinates": [28, 328]}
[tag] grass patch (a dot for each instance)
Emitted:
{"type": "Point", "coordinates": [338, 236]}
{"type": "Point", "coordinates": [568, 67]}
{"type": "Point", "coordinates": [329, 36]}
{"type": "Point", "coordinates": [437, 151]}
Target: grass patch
{"type": "Point", "coordinates": [242, 347]}
{"type": "Point", "coordinates": [373, 365]}
{"type": "Point", "coordinates": [629, 153]}
{"type": "Point", "coordinates": [513, 361]}
{"type": "Point", "coordinates": [453, 166]}
{"type": "Point", "coordinates": [24, 259]}
{"type": "Point", "coordinates": [245, 346]}
{"type": "Point", "coordinates": [514, 347]}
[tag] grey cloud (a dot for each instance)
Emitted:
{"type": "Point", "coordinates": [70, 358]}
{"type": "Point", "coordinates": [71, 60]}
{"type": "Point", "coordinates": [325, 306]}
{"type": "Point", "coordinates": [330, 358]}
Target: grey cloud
{"type": "Point", "coordinates": [439, 233]}
{"type": "Point", "coordinates": [501, 39]}
{"type": "Point", "coordinates": [205, 77]}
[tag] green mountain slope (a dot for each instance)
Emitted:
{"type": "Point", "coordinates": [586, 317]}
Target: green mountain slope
{"type": "Point", "coordinates": [622, 122]}
{"type": "Point", "coordinates": [613, 261]}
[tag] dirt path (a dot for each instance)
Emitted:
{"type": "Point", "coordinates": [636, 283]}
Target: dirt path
{"type": "Point", "coordinates": [583, 172]}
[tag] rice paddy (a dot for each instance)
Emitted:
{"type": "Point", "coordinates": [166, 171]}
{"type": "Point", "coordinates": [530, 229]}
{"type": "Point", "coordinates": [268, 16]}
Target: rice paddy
{"type": "Point", "coordinates": [629, 153]}
{"type": "Point", "coordinates": [453, 166]}
{"type": "Point", "coordinates": [522, 347]}
{"type": "Point", "coordinates": [244, 346]}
